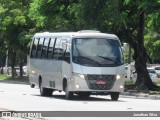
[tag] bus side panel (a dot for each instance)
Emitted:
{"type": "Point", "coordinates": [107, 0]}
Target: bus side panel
{"type": "Point", "coordinates": [44, 69]}
{"type": "Point", "coordinates": [33, 79]}
{"type": "Point", "coordinates": [66, 72]}
{"type": "Point", "coordinates": [57, 64]}
{"type": "Point", "coordinates": [33, 75]}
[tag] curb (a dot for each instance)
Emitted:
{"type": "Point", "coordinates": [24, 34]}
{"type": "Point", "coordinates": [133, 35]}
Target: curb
{"type": "Point", "coordinates": [140, 96]}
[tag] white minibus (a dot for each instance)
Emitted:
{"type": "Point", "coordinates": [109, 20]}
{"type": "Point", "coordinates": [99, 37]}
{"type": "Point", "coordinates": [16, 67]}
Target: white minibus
{"type": "Point", "coordinates": [79, 63]}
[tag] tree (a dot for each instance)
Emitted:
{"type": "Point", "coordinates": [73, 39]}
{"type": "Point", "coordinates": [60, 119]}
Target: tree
{"type": "Point", "coordinates": [128, 22]}
{"type": "Point", "coordinates": [2, 54]}
{"type": "Point", "coordinates": [143, 79]}
{"type": "Point", "coordinates": [53, 15]}
{"type": "Point", "coordinates": [14, 22]}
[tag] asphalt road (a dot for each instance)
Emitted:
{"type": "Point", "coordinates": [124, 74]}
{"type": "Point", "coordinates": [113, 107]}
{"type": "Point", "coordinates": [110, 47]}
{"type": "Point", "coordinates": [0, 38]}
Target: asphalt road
{"type": "Point", "coordinates": [20, 97]}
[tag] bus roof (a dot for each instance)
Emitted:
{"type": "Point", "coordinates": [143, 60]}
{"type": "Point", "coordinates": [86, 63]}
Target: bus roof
{"type": "Point", "coordinates": [87, 34]}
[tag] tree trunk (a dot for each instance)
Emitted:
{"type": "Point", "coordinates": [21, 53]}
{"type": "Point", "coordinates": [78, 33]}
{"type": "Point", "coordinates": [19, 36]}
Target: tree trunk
{"type": "Point", "coordinates": [144, 82]}
{"type": "Point", "coordinates": [13, 60]}
{"type": "Point", "coordinates": [21, 68]}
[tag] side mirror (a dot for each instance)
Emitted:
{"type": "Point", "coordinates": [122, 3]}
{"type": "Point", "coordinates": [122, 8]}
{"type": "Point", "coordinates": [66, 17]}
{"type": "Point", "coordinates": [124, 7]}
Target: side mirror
{"type": "Point", "coordinates": [134, 72]}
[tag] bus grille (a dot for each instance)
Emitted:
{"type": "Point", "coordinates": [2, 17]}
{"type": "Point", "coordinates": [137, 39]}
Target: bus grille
{"type": "Point", "coordinates": [108, 79]}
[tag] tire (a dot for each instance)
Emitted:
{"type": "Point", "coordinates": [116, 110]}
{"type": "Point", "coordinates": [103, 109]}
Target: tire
{"type": "Point", "coordinates": [114, 96]}
{"type": "Point", "coordinates": [68, 94]}
{"type": "Point", "coordinates": [45, 91]}
{"type": "Point", "coordinates": [84, 95]}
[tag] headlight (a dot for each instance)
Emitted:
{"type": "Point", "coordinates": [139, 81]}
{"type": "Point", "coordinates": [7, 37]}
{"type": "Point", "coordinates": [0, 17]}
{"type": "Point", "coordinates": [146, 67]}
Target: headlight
{"type": "Point", "coordinates": [121, 86]}
{"type": "Point", "coordinates": [79, 75]}
{"type": "Point", "coordinates": [118, 77]}
{"type": "Point", "coordinates": [77, 86]}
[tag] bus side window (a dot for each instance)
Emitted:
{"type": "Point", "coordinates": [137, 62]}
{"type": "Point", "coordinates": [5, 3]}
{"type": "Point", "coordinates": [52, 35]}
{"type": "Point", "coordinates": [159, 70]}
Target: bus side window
{"type": "Point", "coordinates": [34, 47]}
{"type": "Point", "coordinates": [56, 49]}
{"type": "Point", "coordinates": [60, 52]}
{"type": "Point", "coordinates": [45, 48]}
{"type": "Point", "coordinates": [39, 48]}
{"type": "Point", "coordinates": [50, 48]}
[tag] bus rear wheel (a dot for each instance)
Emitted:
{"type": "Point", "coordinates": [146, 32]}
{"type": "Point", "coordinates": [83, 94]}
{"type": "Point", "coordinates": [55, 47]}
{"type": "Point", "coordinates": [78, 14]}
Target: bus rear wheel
{"type": "Point", "coordinates": [45, 91]}
{"type": "Point", "coordinates": [32, 85]}
{"type": "Point", "coordinates": [114, 96]}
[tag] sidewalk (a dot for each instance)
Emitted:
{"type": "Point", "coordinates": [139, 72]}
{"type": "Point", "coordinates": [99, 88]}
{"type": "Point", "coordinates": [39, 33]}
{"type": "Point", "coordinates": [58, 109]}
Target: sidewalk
{"type": "Point", "coordinates": [140, 95]}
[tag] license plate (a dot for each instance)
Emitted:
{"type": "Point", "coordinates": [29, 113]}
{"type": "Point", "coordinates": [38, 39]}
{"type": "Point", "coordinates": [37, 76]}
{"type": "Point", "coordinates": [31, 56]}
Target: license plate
{"type": "Point", "coordinates": [100, 82]}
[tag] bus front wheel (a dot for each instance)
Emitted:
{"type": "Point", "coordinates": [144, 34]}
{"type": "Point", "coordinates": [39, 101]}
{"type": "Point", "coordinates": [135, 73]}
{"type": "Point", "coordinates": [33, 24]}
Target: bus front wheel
{"type": "Point", "coordinates": [45, 91]}
{"type": "Point", "coordinates": [114, 96]}
{"type": "Point", "coordinates": [32, 85]}
{"type": "Point", "coordinates": [68, 94]}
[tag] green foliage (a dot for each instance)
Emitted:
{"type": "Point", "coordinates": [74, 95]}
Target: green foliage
{"type": "Point", "coordinates": [158, 82]}
{"type": "Point", "coordinates": [34, 13]}
{"type": "Point", "coordinates": [12, 13]}
{"type": "Point", "coordinates": [96, 14]}
{"type": "Point", "coordinates": [52, 15]}
{"type": "Point", "coordinates": [126, 55]}
{"type": "Point", "coordinates": [14, 23]}
{"type": "Point", "coordinates": [152, 36]}
{"type": "Point", "coordinates": [152, 44]}
{"type": "Point", "coordinates": [128, 82]}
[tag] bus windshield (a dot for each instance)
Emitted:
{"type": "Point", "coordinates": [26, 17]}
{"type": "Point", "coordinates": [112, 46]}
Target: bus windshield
{"type": "Point", "coordinates": [97, 52]}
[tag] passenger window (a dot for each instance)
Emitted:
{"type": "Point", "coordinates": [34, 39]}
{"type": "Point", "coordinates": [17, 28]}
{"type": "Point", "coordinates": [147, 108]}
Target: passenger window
{"type": "Point", "coordinates": [39, 48]}
{"type": "Point", "coordinates": [50, 48]}
{"type": "Point", "coordinates": [34, 47]}
{"type": "Point", "coordinates": [45, 48]}
{"type": "Point", "coordinates": [58, 51]}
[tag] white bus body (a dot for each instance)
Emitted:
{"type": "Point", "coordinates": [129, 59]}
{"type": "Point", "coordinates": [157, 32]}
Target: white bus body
{"type": "Point", "coordinates": [81, 63]}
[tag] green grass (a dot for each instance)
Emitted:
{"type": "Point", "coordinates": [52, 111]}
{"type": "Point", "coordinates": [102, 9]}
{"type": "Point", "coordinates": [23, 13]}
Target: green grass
{"type": "Point", "coordinates": [158, 82]}
{"type": "Point", "coordinates": [128, 82]}
{"type": "Point", "coordinates": [16, 78]}
{"type": "Point", "coordinates": [2, 77]}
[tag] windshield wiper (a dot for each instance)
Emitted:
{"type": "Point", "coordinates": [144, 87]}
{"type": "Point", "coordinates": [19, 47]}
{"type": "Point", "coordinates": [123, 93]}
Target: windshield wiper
{"type": "Point", "coordinates": [90, 59]}
{"type": "Point", "coordinates": [107, 58]}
